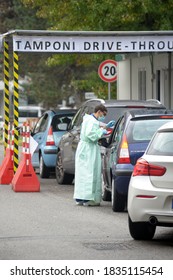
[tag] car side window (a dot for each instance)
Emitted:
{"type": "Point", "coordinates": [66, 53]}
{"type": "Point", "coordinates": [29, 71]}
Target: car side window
{"type": "Point", "coordinates": [77, 119]}
{"type": "Point", "coordinates": [118, 131]}
{"type": "Point", "coordinates": [162, 144]}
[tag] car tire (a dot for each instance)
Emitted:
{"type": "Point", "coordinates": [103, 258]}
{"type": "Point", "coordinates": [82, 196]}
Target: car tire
{"type": "Point", "coordinates": [43, 170]}
{"type": "Point", "coordinates": [62, 177]}
{"type": "Point", "coordinates": [118, 200]}
{"type": "Point", "coordinates": [141, 230]}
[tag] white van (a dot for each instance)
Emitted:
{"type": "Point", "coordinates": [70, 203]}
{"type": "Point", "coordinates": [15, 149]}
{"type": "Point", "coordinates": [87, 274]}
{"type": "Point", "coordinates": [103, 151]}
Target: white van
{"type": "Point", "coordinates": [29, 113]}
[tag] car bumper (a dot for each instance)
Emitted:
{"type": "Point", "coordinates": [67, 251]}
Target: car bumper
{"type": "Point", "coordinates": [121, 176]}
{"type": "Point", "coordinates": [50, 150]}
{"type": "Point", "coordinates": [143, 209]}
{"type": "Point", "coordinates": [123, 170]}
{"type": "Point", "coordinates": [49, 154]}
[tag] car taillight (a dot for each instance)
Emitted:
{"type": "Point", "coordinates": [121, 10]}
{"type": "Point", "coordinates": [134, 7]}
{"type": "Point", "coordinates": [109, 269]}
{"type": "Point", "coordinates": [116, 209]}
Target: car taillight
{"type": "Point", "coordinates": [124, 152]}
{"type": "Point", "coordinates": [143, 168]}
{"type": "Point", "coordinates": [166, 117]}
{"type": "Point", "coordinates": [50, 140]}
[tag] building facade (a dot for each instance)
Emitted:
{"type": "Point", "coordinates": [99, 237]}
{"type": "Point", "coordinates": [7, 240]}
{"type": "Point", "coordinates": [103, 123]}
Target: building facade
{"type": "Point", "coordinates": [146, 76]}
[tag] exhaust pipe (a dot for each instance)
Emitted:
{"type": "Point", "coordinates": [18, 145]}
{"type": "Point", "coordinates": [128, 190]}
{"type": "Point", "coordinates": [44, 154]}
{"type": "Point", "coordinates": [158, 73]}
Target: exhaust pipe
{"type": "Point", "coordinates": [153, 220]}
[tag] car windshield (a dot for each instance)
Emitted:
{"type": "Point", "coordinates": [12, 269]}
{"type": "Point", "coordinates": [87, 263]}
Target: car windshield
{"type": "Point", "coordinates": [143, 130]}
{"type": "Point", "coordinates": [162, 144]}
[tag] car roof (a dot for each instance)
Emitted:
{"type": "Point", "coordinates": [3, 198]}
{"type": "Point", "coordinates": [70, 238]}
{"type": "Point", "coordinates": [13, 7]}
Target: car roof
{"type": "Point", "coordinates": [128, 103]}
{"type": "Point", "coordinates": [65, 111]}
{"type": "Point", "coordinates": [61, 111]}
{"type": "Point", "coordinates": [134, 103]}
{"type": "Point", "coordinates": [146, 113]}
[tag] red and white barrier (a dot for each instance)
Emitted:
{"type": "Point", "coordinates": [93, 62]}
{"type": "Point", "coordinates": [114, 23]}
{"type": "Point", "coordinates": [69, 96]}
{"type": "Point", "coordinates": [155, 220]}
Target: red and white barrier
{"type": "Point", "coordinates": [6, 169]}
{"type": "Point", "coordinates": [25, 179]}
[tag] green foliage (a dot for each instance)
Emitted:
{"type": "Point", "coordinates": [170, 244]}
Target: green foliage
{"type": "Point", "coordinates": [105, 15]}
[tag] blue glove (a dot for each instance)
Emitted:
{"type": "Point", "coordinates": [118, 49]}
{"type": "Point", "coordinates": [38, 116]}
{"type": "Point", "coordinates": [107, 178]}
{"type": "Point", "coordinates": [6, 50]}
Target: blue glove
{"type": "Point", "coordinates": [104, 131]}
{"type": "Point", "coordinates": [110, 124]}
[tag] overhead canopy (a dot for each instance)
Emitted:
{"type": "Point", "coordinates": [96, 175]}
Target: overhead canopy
{"type": "Point", "coordinates": [90, 41]}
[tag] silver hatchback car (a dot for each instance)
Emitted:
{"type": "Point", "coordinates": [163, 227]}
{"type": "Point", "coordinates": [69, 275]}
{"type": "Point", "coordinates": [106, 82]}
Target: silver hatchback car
{"type": "Point", "coordinates": [150, 196]}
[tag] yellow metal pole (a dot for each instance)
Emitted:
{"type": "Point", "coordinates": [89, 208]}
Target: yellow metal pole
{"type": "Point", "coordinates": [6, 92]}
{"type": "Point", "coordinates": [16, 109]}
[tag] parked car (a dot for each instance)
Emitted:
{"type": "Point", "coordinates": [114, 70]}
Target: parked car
{"type": "Point", "coordinates": [65, 163]}
{"type": "Point", "coordinates": [150, 196]}
{"type": "Point", "coordinates": [48, 132]}
{"type": "Point", "coordinates": [127, 143]}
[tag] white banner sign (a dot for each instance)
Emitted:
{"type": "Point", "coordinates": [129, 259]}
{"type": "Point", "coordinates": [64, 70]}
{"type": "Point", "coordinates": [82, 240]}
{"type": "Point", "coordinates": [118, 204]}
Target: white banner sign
{"type": "Point", "coordinates": [93, 44]}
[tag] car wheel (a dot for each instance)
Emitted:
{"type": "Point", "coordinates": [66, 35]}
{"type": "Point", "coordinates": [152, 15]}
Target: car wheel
{"type": "Point", "coordinates": [61, 176]}
{"type": "Point", "coordinates": [118, 200]}
{"type": "Point", "coordinates": [141, 230]}
{"type": "Point", "coordinates": [106, 195]}
{"type": "Point", "coordinates": [44, 170]}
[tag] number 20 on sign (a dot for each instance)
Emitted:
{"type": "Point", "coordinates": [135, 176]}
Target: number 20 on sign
{"type": "Point", "coordinates": [108, 71]}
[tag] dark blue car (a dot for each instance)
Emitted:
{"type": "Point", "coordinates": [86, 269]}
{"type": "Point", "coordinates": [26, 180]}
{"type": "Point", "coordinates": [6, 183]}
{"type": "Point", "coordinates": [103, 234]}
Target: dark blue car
{"type": "Point", "coordinates": [47, 133]}
{"type": "Point", "coordinates": [128, 142]}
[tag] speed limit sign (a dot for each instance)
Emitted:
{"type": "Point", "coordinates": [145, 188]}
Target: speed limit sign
{"type": "Point", "coordinates": [108, 70]}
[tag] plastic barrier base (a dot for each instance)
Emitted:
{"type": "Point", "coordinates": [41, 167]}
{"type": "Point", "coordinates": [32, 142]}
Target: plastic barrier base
{"type": "Point", "coordinates": [6, 169]}
{"type": "Point", "coordinates": [25, 179]}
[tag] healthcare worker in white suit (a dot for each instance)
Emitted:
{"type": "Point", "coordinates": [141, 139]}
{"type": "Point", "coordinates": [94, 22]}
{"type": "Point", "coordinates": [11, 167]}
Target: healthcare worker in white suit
{"type": "Point", "coordinates": [88, 185]}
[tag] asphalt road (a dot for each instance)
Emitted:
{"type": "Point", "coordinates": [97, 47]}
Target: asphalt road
{"type": "Point", "coordinates": [49, 226]}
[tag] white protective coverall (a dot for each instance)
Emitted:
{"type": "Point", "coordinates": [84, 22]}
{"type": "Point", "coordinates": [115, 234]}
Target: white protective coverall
{"type": "Point", "coordinates": [88, 161]}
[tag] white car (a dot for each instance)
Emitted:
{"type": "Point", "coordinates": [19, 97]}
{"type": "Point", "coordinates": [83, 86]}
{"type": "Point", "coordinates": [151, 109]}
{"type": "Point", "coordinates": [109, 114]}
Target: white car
{"type": "Point", "coordinates": [150, 196]}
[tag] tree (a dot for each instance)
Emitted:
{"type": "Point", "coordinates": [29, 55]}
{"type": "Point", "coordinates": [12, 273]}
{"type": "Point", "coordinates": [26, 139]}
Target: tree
{"type": "Point", "coordinates": [46, 84]}
{"type": "Point", "coordinates": [105, 15]}
{"type": "Point", "coordinates": [100, 15]}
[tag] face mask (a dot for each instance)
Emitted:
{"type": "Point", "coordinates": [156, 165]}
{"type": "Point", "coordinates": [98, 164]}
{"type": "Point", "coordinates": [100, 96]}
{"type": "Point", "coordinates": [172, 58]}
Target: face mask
{"type": "Point", "coordinates": [101, 119]}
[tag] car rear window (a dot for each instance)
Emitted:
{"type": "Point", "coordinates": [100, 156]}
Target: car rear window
{"type": "Point", "coordinates": [60, 119]}
{"type": "Point", "coordinates": [143, 130]}
{"type": "Point", "coordinates": [162, 144]}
